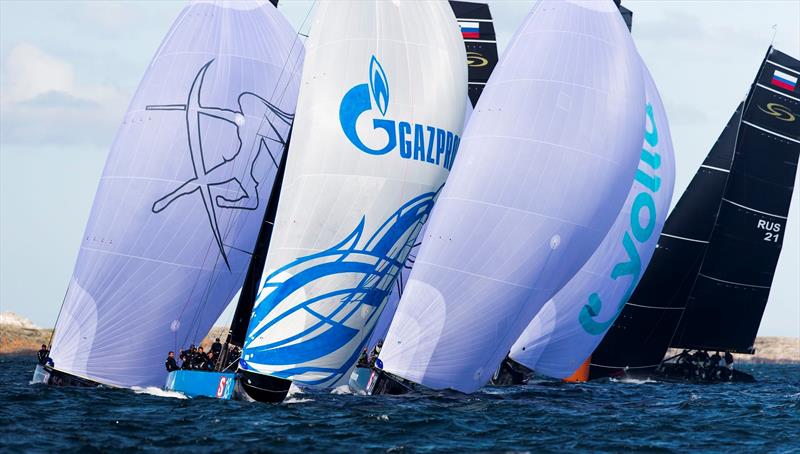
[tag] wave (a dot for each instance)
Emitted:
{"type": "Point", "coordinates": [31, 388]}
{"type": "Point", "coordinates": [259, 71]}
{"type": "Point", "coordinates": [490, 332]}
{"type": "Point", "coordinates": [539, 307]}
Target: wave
{"type": "Point", "coordinates": [633, 381]}
{"type": "Point", "coordinates": [158, 392]}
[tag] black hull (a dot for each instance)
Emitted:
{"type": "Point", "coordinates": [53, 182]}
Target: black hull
{"type": "Point", "coordinates": [260, 388]}
{"type": "Point", "coordinates": [53, 377]}
{"type": "Point", "coordinates": [386, 383]}
{"type": "Point", "coordinates": [676, 373]}
{"type": "Point", "coordinates": [511, 373]}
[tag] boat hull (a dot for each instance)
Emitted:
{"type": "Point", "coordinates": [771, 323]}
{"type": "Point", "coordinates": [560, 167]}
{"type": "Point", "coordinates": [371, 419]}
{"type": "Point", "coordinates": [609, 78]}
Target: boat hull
{"type": "Point", "coordinates": [194, 383]}
{"type": "Point", "coordinates": [373, 382]}
{"type": "Point", "coordinates": [46, 375]}
{"type": "Point", "coordinates": [261, 388]}
{"type": "Point", "coordinates": [511, 373]}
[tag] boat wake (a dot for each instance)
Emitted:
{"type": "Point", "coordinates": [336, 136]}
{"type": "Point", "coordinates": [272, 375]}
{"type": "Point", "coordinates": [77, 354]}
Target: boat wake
{"type": "Point", "coordinates": [158, 392]}
{"type": "Point", "coordinates": [633, 381]}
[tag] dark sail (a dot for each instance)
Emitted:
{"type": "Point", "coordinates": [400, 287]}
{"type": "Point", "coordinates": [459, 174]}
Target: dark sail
{"type": "Point", "coordinates": [627, 15]}
{"type": "Point", "coordinates": [641, 334]}
{"type": "Point", "coordinates": [247, 297]}
{"type": "Point", "coordinates": [690, 296]}
{"type": "Point", "coordinates": [727, 302]}
{"type": "Point", "coordinates": [481, 43]}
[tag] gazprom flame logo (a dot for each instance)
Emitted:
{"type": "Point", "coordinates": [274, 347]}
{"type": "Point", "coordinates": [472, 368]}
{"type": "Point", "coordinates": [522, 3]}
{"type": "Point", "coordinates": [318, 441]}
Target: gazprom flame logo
{"type": "Point", "coordinates": [423, 143]}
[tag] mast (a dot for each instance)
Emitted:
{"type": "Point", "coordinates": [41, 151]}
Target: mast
{"type": "Point", "coordinates": [250, 288]}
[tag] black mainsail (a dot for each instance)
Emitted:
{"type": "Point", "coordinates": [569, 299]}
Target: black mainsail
{"type": "Point", "coordinates": [477, 29]}
{"type": "Point", "coordinates": [709, 279]}
{"type": "Point", "coordinates": [730, 293]}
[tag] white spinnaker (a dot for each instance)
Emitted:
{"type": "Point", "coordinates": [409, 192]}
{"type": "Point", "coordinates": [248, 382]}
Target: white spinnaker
{"type": "Point", "coordinates": [560, 338]}
{"type": "Point", "coordinates": [352, 204]}
{"type": "Point", "coordinates": [544, 167]}
{"type": "Point", "coordinates": [182, 194]}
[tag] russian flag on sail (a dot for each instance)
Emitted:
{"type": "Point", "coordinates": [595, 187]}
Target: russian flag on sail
{"type": "Point", "coordinates": [783, 80]}
{"type": "Point", "coordinates": [470, 29]}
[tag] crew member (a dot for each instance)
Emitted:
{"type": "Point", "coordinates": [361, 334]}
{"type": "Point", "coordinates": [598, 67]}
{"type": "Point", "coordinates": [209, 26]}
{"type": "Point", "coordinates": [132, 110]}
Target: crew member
{"type": "Point", "coordinates": [43, 355]}
{"type": "Point", "coordinates": [216, 348]}
{"type": "Point", "coordinates": [199, 360]}
{"type": "Point", "coordinates": [170, 363]}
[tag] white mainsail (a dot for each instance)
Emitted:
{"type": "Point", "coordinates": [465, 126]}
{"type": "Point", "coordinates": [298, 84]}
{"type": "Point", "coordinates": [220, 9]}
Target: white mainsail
{"type": "Point", "coordinates": [379, 121]}
{"type": "Point", "coordinates": [544, 168]}
{"type": "Point", "coordinates": [571, 325]}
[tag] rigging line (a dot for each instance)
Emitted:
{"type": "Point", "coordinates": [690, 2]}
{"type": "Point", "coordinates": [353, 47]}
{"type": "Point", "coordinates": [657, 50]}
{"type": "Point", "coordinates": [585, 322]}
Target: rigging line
{"type": "Point", "coordinates": [745, 105]}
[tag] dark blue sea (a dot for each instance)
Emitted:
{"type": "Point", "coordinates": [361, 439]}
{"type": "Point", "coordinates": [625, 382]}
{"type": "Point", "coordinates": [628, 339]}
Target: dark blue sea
{"type": "Point", "coordinates": [545, 416]}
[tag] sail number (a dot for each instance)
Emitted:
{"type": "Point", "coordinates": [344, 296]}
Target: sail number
{"type": "Point", "coordinates": [772, 230]}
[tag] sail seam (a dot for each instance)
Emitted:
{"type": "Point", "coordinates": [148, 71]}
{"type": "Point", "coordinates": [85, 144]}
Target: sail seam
{"type": "Point", "coordinates": [145, 259]}
{"type": "Point", "coordinates": [778, 92]}
{"type": "Point", "coordinates": [752, 209]}
{"type": "Point", "coordinates": [771, 132]}
{"type": "Point", "coordinates": [684, 238]}
{"type": "Point", "coordinates": [783, 67]}
{"type": "Point", "coordinates": [731, 282]}
{"type": "Point", "coordinates": [715, 168]}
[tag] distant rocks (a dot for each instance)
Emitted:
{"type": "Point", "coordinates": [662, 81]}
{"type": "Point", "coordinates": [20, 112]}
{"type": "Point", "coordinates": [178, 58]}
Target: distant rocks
{"type": "Point", "coordinates": [20, 335]}
{"type": "Point", "coordinates": [13, 320]}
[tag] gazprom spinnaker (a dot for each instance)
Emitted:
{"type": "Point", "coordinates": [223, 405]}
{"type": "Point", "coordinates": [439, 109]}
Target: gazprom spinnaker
{"type": "Point", "coordinates": [182, 195]}
{"type": "Point", "coordinates": [379, 123]}
{"type": "Point", "coordinates": [545, 165]}
{"type": "Point", "coordinates": [477, 30]}
{"type": "Point", "coordinates": [569, 327]}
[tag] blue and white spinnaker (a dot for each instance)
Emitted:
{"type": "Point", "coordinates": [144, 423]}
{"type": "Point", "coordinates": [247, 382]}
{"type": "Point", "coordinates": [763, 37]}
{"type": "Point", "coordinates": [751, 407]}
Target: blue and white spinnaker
{"type": "Point", "coordinates": [379, 122]}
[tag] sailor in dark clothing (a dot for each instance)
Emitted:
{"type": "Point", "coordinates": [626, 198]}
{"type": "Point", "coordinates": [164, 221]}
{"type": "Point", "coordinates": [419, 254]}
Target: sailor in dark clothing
{"type": "Point", "coordinates": [199, 359]}
{"type": "Point", "coordinates": [187, 356]}
{"type": "Point", "coordinates": [363, 360]}
{"type": "Point", "coordinates": [170, 363]}
{"type": "Point", "coordinates": [376, 350]}
{"type": "Point", "coordinates": [43, 355]}
{"type": "Point", "coordinates": [216, 348]}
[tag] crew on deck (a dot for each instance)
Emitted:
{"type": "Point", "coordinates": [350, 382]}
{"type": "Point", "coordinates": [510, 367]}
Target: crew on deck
{"type": "Point", "coordinates": [170, 363]}
{"type": "Point", "coordinates": [699, 366]}
{"type": "Point", "coordinates": [43, 355]}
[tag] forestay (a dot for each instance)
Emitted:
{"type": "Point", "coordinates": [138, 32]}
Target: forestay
{"type": "Point", "coordinates": [379, 124]}
{"type": "Point", "coordinates": [544, 168]}
{"type": "Point", "coordinates": [569, 327]}
{"type": "Point", "coordinates": [182, 194]}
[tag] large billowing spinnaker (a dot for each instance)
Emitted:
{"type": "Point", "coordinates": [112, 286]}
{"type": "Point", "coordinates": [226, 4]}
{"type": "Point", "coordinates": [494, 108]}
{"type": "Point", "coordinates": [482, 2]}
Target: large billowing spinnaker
{"type": "Point", "coordinates": [545, 165]}
{"type": "Point", "coordinates": [379, 123]}
{"type": "Point", "coordinates": [182, 194]}
{"type": "Point", "coordinates": [569, 327]}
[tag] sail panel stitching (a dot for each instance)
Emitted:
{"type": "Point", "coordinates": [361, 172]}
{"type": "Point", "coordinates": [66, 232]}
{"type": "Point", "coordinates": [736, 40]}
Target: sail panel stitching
{"type": "Point", "coordinates": [684, 238]}
{"type": "Point", "coordinates": [731, 282]}
{"type": "Point", "coordinates": [778, 92]}
{"type": "Point", "coordinates": [753, 209]}
{"type": "Point", "coordinates": [771, 132]}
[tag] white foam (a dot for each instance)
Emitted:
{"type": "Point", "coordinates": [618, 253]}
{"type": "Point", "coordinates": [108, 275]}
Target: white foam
{"type": "Point", "coordinates": [344, 389]}
{"type": "Point", "coordinates": [292, 400]}
{"type": "Point", "coordinates": [293, 389]}
{"type": "Point", "coordinates": [633, 381]}
{"type": "Point", "coordinates": [154, 391]}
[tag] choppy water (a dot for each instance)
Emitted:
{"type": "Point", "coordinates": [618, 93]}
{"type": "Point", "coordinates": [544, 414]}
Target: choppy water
{"type": "Point", "coordinates": [544, 416]}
